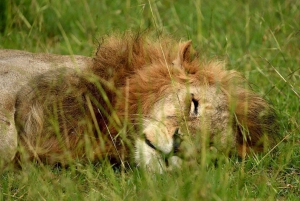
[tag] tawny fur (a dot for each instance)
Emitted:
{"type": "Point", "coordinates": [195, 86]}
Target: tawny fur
{"type": "Point", "coordinates": [16, 69]}
{"type": "Point", "coordinates": [65, 114]}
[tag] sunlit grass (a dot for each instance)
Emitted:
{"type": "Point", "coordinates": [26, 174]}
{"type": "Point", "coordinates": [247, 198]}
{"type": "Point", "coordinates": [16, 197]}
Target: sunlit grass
{"type": "Point", "coordinates": [258, 38]}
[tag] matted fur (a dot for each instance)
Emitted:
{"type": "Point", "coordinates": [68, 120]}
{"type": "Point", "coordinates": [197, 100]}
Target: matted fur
{"type": "Point", "coordinates": [100, 111]}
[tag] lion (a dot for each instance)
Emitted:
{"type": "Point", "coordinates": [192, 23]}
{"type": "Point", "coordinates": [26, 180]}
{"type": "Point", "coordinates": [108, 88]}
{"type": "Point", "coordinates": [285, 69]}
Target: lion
{"type": "Point", "coordinates": [151, 101]}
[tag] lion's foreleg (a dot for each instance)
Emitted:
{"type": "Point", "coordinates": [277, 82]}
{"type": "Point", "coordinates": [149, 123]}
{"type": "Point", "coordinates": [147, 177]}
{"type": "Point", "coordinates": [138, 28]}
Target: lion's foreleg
{"type": "Point", "coordinates": [8, 140]}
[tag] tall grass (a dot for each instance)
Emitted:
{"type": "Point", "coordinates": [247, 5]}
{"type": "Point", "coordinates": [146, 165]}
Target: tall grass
{"type": "Point", "coordinates": [258, 38]}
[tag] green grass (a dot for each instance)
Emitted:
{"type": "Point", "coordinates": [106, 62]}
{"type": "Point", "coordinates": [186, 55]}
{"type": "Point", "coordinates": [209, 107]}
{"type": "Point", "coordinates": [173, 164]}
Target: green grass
{"type": "Point", "coordinates": [258, 38]}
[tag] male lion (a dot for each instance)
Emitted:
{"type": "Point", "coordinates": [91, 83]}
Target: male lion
{"type": "Point", "coordinates": [155, 93]}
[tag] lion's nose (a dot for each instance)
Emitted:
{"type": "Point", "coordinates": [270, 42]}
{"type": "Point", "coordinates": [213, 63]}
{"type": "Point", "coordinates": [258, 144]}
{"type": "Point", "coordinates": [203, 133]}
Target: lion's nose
{"type": "Point", "coordinates": [177, 139]}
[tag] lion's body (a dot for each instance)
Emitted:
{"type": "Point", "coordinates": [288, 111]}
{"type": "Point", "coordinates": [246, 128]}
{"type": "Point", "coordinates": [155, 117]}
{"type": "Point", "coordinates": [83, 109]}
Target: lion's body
{"type": "Point", "coordinates": [16, 69]}
{"type": "Point", "coordinates": [133, 90]}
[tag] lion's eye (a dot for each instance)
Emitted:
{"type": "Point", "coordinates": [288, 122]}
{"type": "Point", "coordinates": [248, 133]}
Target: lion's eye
{"type": "Point", "coordinates": [194, 106]}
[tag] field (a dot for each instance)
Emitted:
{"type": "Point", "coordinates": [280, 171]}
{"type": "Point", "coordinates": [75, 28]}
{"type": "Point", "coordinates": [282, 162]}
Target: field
{"type": "Point", "coordinates": [261, 39]}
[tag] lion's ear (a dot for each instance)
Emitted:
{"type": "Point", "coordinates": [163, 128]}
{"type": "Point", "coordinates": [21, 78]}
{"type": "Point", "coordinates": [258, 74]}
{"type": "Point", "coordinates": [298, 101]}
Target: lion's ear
{"type": "Point", "coordinates": [183, 54]}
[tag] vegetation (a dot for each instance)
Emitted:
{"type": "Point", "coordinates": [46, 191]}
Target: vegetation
{"type": "Point", "coordinates": [258, 38]}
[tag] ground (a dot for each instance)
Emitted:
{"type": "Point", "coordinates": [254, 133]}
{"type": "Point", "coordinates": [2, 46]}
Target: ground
{"type": "Point", "coordinates": [258, 38]}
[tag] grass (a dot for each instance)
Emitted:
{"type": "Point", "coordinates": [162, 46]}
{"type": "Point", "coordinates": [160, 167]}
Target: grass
{"type": "Point", "coordinates": [258, 38]}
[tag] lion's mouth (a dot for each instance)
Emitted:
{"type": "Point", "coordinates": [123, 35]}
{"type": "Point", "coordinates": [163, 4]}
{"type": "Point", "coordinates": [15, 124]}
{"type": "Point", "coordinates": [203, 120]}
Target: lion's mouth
{"type": "Point", "coordinates": [149, 143]}
{"type": "Point", "coordinates": [177, 139]}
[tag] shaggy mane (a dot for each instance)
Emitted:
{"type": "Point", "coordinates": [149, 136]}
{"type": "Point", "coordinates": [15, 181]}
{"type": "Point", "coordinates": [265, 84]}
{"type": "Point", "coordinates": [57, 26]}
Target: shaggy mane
{"type": "Point", "coordinates": [141, 68]}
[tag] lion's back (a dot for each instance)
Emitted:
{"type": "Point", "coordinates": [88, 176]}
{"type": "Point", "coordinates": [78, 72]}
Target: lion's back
{"type": "Point", "coordinates": [17, 67]}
